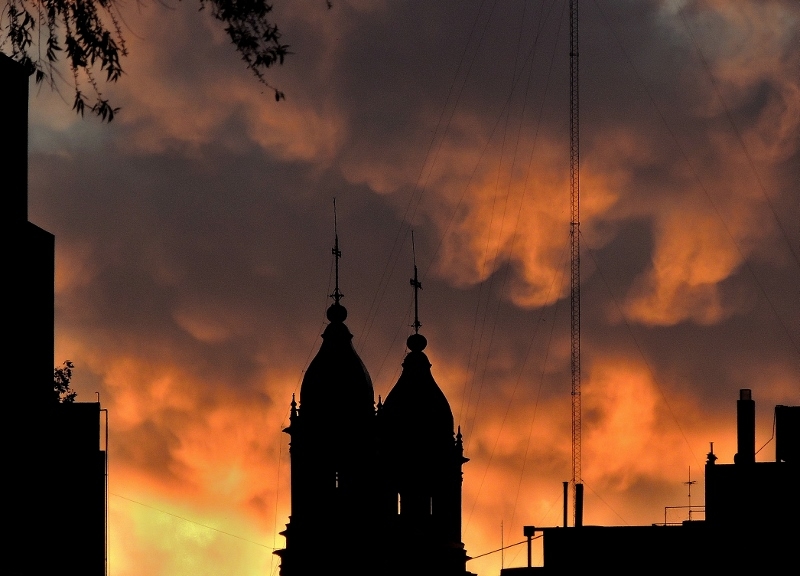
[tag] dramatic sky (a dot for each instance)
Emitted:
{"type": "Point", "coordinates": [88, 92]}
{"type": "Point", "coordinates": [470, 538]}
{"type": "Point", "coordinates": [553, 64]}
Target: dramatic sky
{"type": "Point", "coordinates": [193, 262]}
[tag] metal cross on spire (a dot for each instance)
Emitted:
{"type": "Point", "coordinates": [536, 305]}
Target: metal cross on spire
{"type": "Point", "coordinates": [417, 287]}
{"type": "Point", "coordinates": [337, 294]}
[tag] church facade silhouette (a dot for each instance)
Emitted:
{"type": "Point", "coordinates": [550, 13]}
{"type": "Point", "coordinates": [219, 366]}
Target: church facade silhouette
{"type": "Point", "coordinates": [375, 489]}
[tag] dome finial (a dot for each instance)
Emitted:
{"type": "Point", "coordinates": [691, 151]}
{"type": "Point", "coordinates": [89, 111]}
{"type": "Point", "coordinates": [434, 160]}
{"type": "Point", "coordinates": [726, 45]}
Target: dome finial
{"type": "Point", "coordinates": [337, 294]}
{"type": "Point", "coordinates": [417, 287]}
{"type": "Point", "coordinates": [336, 312]}
{"type": "Point", "coordinates": [416, 342]}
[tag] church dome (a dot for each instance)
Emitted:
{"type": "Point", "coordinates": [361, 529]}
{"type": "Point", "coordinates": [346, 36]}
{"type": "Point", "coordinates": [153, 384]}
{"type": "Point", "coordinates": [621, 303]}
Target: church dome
{"type": "Point", "coordinates": [336, 382]}
{"type": "Point", "coordinates": [416, 414]}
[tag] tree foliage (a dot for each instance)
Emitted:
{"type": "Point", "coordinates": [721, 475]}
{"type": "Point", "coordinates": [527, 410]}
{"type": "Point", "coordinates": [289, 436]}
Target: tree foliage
{"type": "Point", "coordinates": [62, 376]}
{"type": "Point", "coordinates": [87, 34]}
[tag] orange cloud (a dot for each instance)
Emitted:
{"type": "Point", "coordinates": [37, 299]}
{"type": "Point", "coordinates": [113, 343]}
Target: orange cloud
{"type": "Point", "coordinates": [629, 432]}
{"type": "Point", "coordinates": [689, 262]}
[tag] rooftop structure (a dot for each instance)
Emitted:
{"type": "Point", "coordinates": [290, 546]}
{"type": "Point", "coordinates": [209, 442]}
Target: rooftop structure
{"type": "Point", "coordinates": [752, 512]}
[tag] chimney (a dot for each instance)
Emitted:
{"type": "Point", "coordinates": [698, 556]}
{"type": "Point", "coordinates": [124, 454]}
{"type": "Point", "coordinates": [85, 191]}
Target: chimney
{"type": "Point", "coordinates": [787, 434]}
{"type": "Point", "coordinates": [528, 532]}
{"type": "Point", "coordinates": [745, 428]}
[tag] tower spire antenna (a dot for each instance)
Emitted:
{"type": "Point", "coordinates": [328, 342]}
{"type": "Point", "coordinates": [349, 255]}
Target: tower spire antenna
{"type": "Point", "coordinates": [337, 254]}
{"type": "Point", "coordinates": [417, 287]}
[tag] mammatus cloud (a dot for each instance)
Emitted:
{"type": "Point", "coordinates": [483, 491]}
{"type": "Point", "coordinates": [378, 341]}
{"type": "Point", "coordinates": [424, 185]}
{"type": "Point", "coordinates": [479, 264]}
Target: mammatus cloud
{"type": "Point", "coordinates": [689, 264]}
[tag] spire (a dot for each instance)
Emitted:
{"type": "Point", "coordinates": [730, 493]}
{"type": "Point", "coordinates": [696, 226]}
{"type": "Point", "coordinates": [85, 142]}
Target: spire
{"type": "Point", "coordinates": [416, 410]}
{"type": "Point", "coordinates": [416, 342]}
{"type": "Point", "coordinates": [417, 287]}
{"type": "Point", "coordinates": [336, 384]}
{"type": "Point", "coordinates": [337, 254]}
{"type": "Point", "coordinates": [336, 312]}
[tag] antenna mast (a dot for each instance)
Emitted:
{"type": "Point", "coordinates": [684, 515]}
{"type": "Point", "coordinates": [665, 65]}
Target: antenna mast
{"type": "Point", "coordinates": [689, 485]}
{"type": "Point", "coordinates": [575, 262]}
{"type": "Point", "coordinates": [337, 294]}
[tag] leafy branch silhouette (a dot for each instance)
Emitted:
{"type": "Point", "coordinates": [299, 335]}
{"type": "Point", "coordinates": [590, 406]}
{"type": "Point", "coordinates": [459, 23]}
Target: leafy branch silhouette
{"type": "Point", "coordinates": [87, 34]}
{"type": "Point", "coordinates": [62, 376]}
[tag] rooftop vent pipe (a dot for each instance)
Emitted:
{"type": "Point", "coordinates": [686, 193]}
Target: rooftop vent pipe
{"type": "Point", "coordinates": [745, 428]}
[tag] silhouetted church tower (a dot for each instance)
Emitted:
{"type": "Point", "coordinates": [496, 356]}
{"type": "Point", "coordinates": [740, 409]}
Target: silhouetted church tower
{"type": "Point", "coordinates": [421, 458]}
{"type": "Point", "coordinates": [332, 453]}
{"type": "Point", "coordinates": [374, 491]}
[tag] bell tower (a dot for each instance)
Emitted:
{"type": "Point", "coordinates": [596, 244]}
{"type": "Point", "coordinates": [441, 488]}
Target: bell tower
{"type": "Point", "coordinates": [332, 450]}
{"type": "Point", "coordinates": [421, 456]}
{"type": "Point", "coordinates": [373, 491]}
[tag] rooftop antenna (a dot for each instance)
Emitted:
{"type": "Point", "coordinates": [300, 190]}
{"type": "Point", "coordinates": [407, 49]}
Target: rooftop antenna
{"type": "Point", "coordinates": [689, 484]}
{"type": "Point", "coordinates": [417, 287]}
{"type": "Point", "coordinates": [337, 294]}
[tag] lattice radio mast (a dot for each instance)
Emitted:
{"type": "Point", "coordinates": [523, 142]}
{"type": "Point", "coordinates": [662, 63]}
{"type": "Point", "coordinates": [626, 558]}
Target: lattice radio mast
{"type": "Point", "coordinates": [575, 264]}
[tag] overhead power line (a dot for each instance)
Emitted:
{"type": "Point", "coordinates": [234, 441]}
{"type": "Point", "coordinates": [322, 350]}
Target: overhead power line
{"type": "Point", "coordinates": [192, 521]}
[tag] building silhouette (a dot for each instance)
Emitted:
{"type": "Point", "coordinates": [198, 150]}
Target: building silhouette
{"type": "Point", "coordinates": [751, 525]}
{"type": "Point", "coordinates": [56, 471]}
{"type": "Point", "coordinates": [332, 450]}
{"type": "Point", "coordinates": [421, 472]}
{"type": "Point", "coordinates": [375, 489]}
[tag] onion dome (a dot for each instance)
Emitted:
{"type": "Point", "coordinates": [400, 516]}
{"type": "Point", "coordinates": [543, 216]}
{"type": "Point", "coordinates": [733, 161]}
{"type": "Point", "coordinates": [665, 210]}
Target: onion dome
{"type": "Point", "coordinates": [336, 382]}
{"type": "Point", "coordinates": [416, 413]}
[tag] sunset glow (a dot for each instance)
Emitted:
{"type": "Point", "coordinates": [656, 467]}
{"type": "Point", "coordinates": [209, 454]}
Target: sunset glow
{"type": "Point", "coordinates": [194, 234]}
